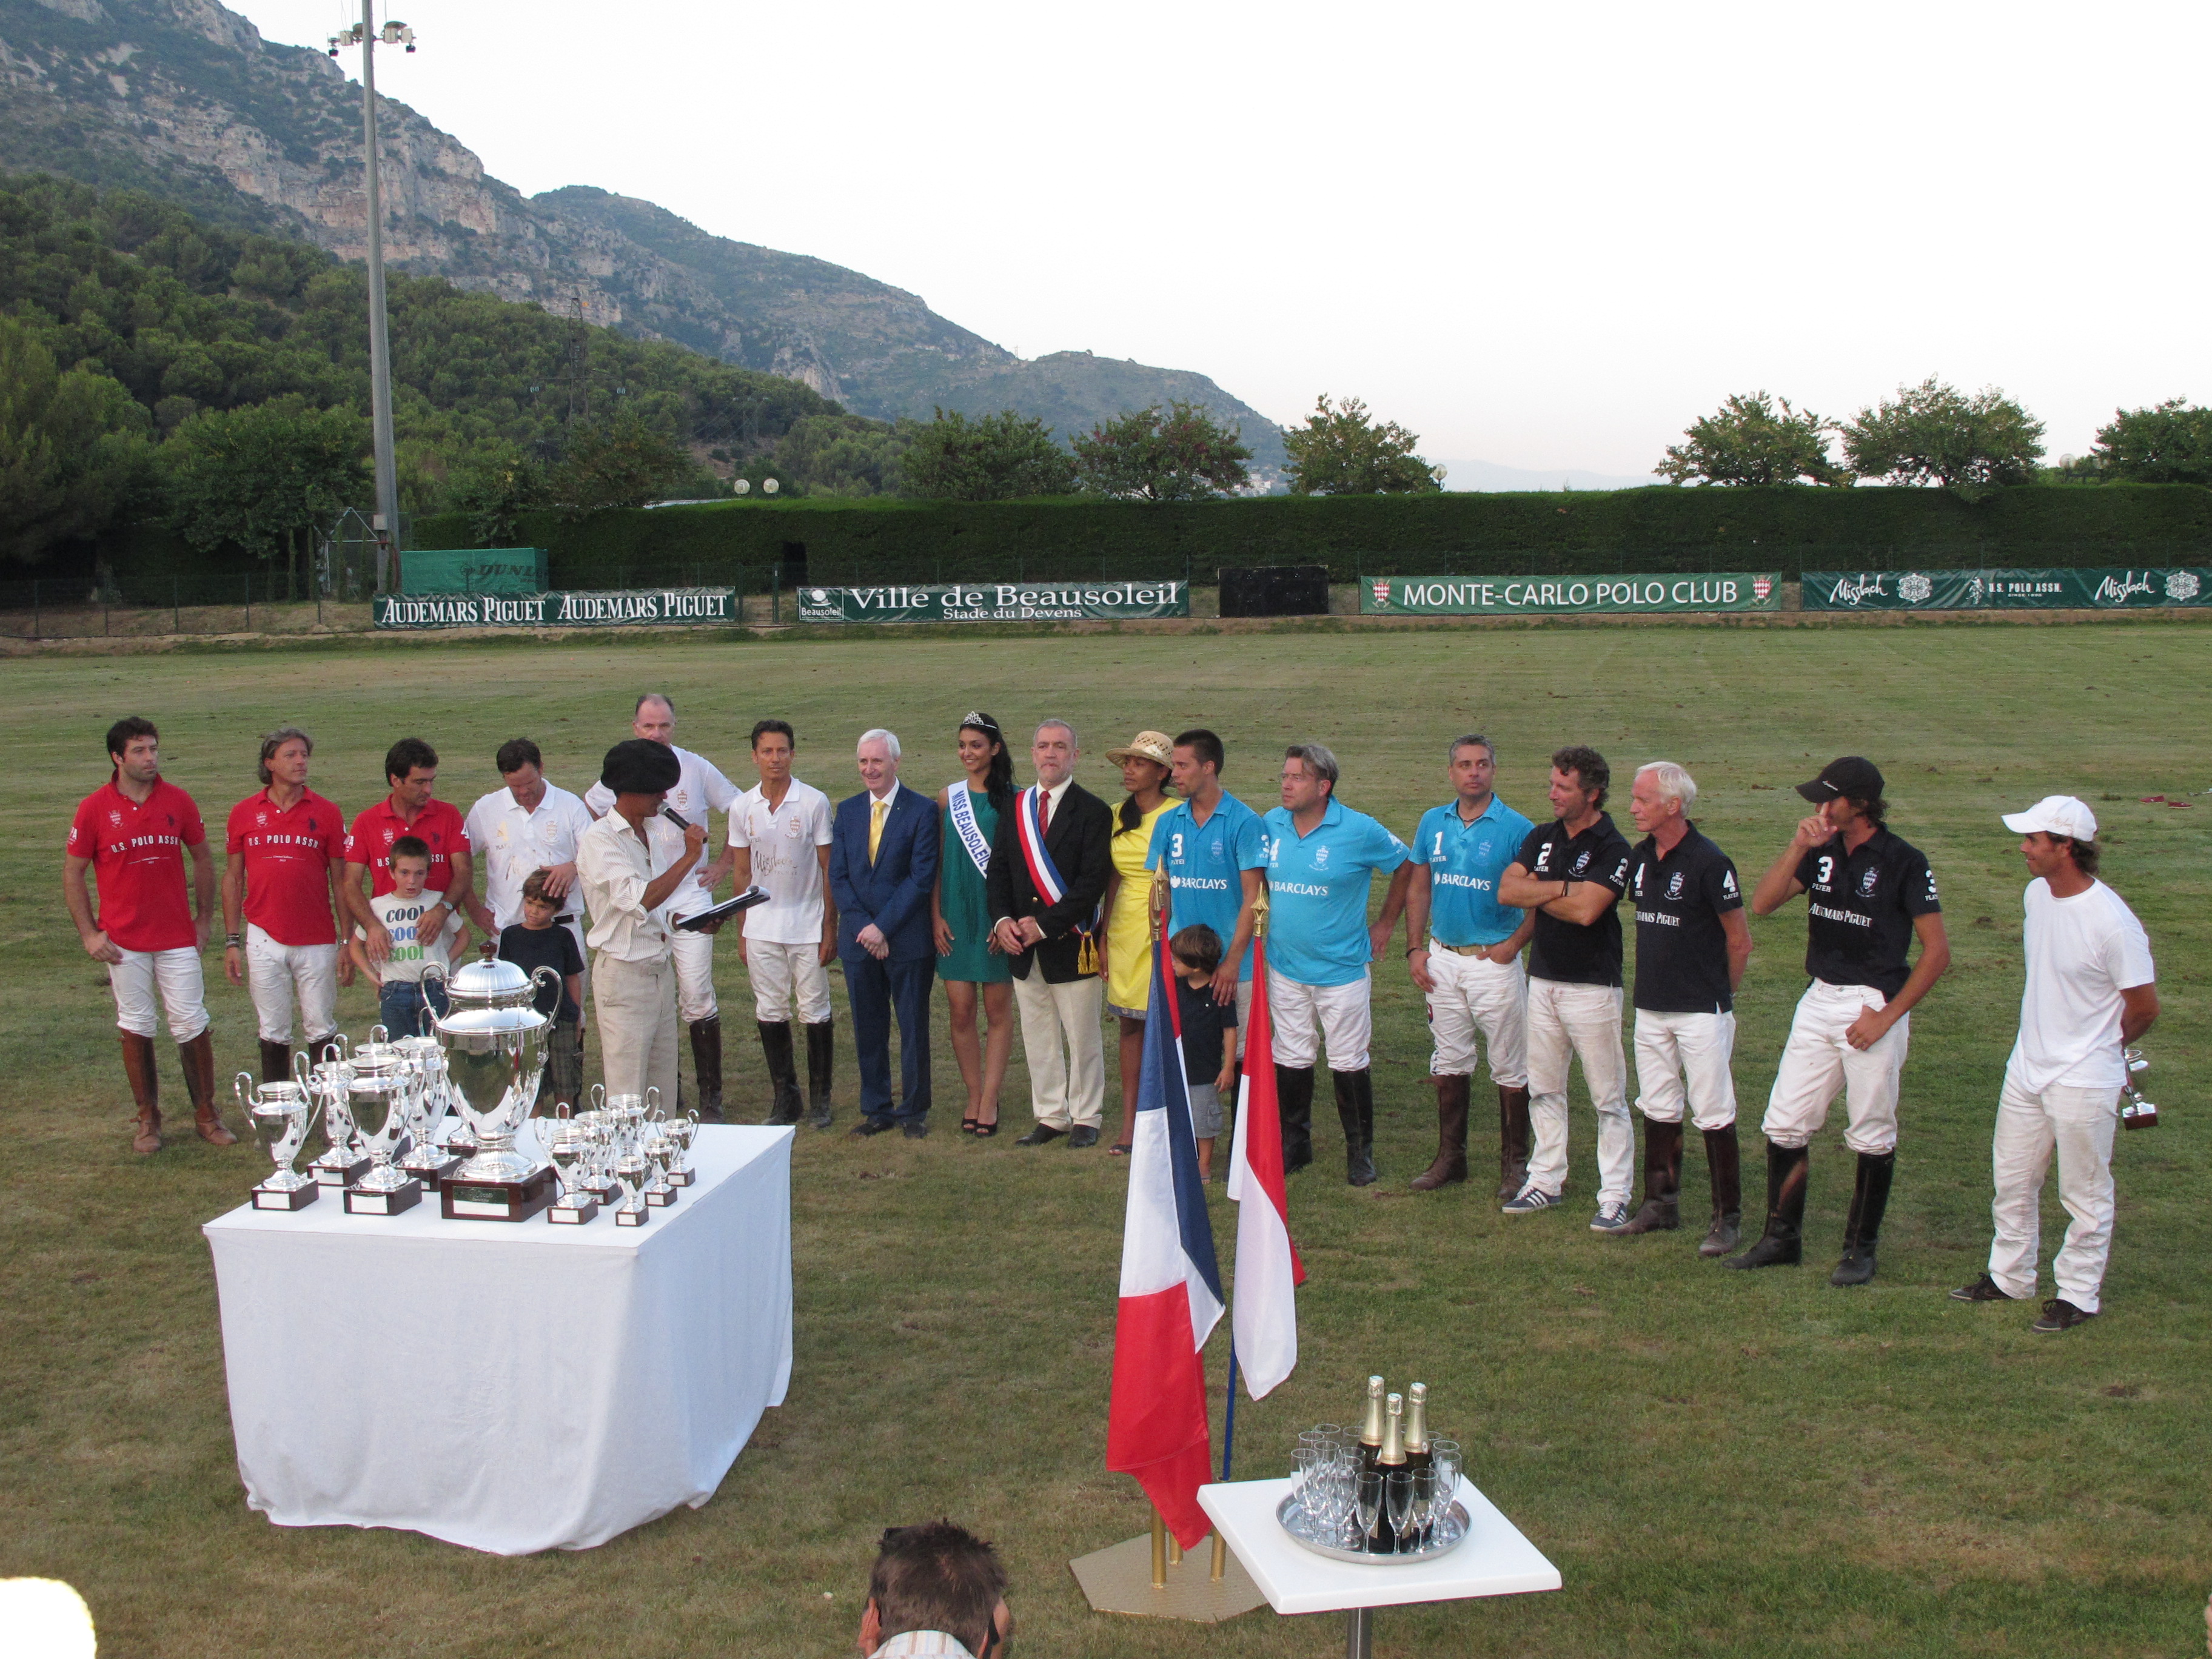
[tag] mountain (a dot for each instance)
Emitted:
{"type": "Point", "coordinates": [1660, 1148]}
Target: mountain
{"type": "Point", "coordinates": [184, 100]}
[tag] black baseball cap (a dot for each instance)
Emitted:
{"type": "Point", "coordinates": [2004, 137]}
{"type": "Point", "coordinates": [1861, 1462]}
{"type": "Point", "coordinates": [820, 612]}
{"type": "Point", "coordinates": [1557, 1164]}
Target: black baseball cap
{"type": "Point", "coordinates": [1850, 778]}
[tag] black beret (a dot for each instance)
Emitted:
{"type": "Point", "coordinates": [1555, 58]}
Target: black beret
{"type": "Point", "coordinates": [639, 766]}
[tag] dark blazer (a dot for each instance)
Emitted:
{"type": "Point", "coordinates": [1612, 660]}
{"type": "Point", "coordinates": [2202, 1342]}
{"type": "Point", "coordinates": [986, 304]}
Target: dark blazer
{"type": "Point", "coordinates": [893, 893]}
{"type": "Point", "coordinates": [1078, 839]}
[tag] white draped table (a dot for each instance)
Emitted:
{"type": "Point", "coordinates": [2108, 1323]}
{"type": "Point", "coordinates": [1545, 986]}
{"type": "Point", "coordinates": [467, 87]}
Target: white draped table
{"type": "Point", "coordinates": [511, 1387]}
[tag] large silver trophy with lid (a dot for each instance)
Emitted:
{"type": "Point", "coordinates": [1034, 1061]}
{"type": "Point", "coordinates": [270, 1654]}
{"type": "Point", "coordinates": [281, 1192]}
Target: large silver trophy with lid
{"type": "Point", "coordinates": [495, 1044]}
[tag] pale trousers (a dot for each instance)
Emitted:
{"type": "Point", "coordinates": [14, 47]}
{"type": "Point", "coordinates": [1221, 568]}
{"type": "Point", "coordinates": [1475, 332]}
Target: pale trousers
{"type": "Point", "coordinates": [1817, 1062]}
{"type": "Point", "coordinates": [1244, 1013]}
{"type": "Point", "coordinates": [1567, 1022]}
{"type": "Point", "coordinates": [695, 975]}
{"type": "Point", "coordinates": [783, 973]}
{"type": "Point", "coordinates": [274, 973]}
{"type": "Point", "coordinates": [1065, 1053]}
{"type": "Point", "coordinates": [2079, 1124]}
{"type": "Point", "coordinates": [1339, 1012]}
{"type": "Point", "coordinates": [174, 975]}
{"type": "Point", "coordinates": [1475, 994]}
{"type": "Point", "coordinates": [635, 1003]}
{"type": "Point", "coordinates": [1671, 1048]}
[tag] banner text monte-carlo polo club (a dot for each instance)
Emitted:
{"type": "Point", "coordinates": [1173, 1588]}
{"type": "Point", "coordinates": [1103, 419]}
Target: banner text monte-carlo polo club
{"type": "Point", "coordinates": [1508, 596]}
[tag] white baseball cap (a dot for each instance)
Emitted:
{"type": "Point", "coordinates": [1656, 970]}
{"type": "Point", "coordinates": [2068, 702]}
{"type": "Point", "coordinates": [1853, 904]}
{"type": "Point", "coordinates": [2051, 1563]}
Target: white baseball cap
{"type": "Point", "coordinates": [2055, 814]}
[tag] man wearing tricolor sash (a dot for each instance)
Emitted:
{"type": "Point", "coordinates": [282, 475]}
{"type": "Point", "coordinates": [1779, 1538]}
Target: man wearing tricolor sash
{"type": "Point", "coordinates": [1049, 869]}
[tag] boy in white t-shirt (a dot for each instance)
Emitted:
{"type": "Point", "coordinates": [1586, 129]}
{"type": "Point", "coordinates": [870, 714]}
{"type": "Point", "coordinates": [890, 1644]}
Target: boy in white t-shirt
{"type": "Point", "coordinates": [401, 993]}
{"type": "Point", "coordinates": [2089, 993]}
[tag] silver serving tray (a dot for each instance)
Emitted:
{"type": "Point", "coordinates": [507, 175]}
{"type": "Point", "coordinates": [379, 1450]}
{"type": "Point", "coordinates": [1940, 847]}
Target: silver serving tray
{"type": "Point", "coordinates": [1449, 1537]}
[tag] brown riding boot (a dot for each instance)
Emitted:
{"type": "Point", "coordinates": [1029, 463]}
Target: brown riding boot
{"type": "Point", "coordinates": [707, 1061]}
{"type": "Point", "coordinates": [198, 1056]}
{"type": "Point", "coordinates": [1662, 1180]}
{"type": "Point", "coordinates": [1724, 1158]}
{"type": "Point", "coordinates": [1514, 1135]}
{"type": "Point", "coordinates": [1451, 1136]}
{"type": "Point", "coordinates": [145, 1090]}
{"type": "Point", "coordinates": [275, 1061]}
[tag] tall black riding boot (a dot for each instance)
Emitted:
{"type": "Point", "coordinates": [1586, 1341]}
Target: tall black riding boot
{"type": "Point", "coordinates": [782, 1071]}
{"type": "Point", "coordinates": [1662, 1210]}
{"type": "Point", "coordinates": [1355, 1110]}
{"type": "Point", "coordinates": [821, 1050]}
{"type": "Point", "coordinates": [1783, 1242]}
{"type": "Point", "coordinates": [1870, 1198]}
{"type": "Point", "coordinates": [707, 1061]}
{"type": "Point", "coordinates": [1514, 1136]}
{"type": "Point", "coordinates": [1451, 1136]}
{"type": "Point", "coordinates": [1294, 1090]}
{"type": "Point", "coordinates": [1724, 1160]}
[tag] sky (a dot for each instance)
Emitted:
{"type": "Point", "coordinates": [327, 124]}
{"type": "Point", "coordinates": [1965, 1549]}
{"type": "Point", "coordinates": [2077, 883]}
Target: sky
{"type": "Point", "coordinates": [1545, 236]}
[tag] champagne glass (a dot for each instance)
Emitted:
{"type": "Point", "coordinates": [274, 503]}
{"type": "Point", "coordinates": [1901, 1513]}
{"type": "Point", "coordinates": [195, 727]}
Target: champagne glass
{"type": "Point", "coordinates": [1367, 1505]}
{"type": "Point", "coordinates": [1398, 1506]}
{"type": "Point", "coordinates": [1423, 1512]}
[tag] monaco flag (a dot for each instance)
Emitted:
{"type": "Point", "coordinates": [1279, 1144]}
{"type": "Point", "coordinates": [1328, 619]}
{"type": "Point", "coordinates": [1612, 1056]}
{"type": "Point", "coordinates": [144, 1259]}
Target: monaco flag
{"type": "Point", "coordinates": [1155, 1428]}
{"type": "Point", "coordinates": [1268, 1270]}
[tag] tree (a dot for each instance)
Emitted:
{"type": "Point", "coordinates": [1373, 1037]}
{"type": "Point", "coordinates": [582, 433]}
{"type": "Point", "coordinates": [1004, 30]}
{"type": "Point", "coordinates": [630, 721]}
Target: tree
{"type": "Point", "coordinates": [1755, 439]}
{"type": "Point", "coordinates": [1175, 453]}
{"type": "Point", "coordinates": [495, 489]}
{"type": "Point", "coordinates": [2170, 444]}
{"type": "Point", "coordinates": [73, 449]}
{"type": "Point", "coordinates": [1935, 433]}
{"type": "Point", "coordinates": [1339, 451]}
{"type": "Point", "coordinates": [265, 476]}
{"type": "Point", "coordinates": [842, 455]}
{"type": "Point", "coordinates": [993, 457]}
{"type": "Point", "coordinates": [621, 462]}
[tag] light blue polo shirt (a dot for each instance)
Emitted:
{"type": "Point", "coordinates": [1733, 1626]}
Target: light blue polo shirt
{"type": "Point", "coordinates": [1317, 887]}
{"type": "Point", "coordinates": [1465, 860]}
{"type": "Point", "coordinates": [1205, 865]}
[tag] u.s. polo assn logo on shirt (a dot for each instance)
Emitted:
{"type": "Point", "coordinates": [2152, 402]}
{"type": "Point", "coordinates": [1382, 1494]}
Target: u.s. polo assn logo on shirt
{"type": "Point", "coordinates": [1869, 880]}
{"type": "Point", "coordinates": [1674, 884]}
{"type": "Point", "coordinates": [1581, 863]}
{"type": "Point", "coordinates": [1321, 858]}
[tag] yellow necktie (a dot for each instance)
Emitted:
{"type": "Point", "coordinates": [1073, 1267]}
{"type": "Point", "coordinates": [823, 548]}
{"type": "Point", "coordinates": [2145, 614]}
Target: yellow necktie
{"type": "Point", "coordinates": [876, 827]}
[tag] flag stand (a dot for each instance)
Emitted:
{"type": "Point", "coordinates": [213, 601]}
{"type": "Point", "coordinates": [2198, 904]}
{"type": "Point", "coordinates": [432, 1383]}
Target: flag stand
{"type": "Point", "coordinates": [1152, 1578]}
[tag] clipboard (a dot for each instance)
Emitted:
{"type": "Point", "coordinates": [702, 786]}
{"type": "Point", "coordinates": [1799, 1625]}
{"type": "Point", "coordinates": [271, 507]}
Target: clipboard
{"type": "Point", "coordinates": [700, 921]}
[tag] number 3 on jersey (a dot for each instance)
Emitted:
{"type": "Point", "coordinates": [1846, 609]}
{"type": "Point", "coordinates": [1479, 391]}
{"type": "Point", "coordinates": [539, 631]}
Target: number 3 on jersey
{"type": "Point", "coordinates": [1825, 872]}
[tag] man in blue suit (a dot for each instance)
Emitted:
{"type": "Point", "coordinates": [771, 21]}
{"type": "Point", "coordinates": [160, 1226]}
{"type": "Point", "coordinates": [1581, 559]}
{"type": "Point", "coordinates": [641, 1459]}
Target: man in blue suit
{"type": "Point", "coordinates": [883, 867]}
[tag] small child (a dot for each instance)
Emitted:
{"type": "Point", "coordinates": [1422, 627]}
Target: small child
{"type": "Point", "coordinates": [1209, 1060]}
{"type": "Point", "coordinates": [538, 941]}
{"type": "Point", "coordinates": [401, 994]}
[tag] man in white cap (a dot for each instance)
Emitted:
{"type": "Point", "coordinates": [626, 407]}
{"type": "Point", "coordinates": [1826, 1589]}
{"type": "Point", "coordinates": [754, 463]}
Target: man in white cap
{"type": "Point", "coordinates": [2089, 993]}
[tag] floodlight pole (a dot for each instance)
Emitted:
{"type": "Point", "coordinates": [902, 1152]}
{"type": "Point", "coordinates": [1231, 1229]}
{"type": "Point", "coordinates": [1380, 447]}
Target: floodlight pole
{"type": "Point", "coordinates": [387, 521]}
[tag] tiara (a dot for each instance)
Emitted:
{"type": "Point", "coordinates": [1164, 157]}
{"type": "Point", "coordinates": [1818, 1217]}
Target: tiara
{"type": "Point", "coordinates": [979, 720]}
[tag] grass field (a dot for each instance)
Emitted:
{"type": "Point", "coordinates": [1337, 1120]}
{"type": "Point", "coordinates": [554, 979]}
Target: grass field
{"type": "Point", "coordinates": [1720, 1463]}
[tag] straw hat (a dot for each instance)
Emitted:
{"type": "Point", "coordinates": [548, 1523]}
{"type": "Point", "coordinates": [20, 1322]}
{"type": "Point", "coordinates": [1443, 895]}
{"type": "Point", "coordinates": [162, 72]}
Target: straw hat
{"type": "Point", "coordinates": [1145, 745]}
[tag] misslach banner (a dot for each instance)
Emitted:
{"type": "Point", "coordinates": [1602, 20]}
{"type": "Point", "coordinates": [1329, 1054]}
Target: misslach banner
{"type": "Point", "coordinates": [1507, 596]}
{"type": "Point", "coordinates": [661, 607]}
{"type": "Point", "coordinates": [2001, 589]}
{"type": "Point", "coordinates": [957, 602]}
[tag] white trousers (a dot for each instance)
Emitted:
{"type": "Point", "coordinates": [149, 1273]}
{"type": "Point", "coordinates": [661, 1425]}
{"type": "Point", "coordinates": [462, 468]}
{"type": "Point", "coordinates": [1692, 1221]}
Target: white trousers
{"type": "Point", "coordinates": [1473, 994]}
{"type": "Point", "coordinates": [1340, 1013]}
{"type": "Point", "coordinates": [783, 973]}
{"type": "Point", "coordinates": [1567, 1022]}
{"type": "Point", "coordinates": [274, 973]}
{"type": "Point", "coordinates": [1817, 1062]}
{"type": "Point", "coordinates": [174, 975]}
{"type": "Point", "coordinates": [1671, 1048]}
{"type": "Point", "coordinates": [2078, 1124]}
{"type": "Point", "coordinates": [694, 978]}
{"type": "Point", "coordinates": [1065, 1053]}
{"type": "Point", "coordinates": [635, 1003]}
{"type": "Point", "coordinates": [1244, 1013]}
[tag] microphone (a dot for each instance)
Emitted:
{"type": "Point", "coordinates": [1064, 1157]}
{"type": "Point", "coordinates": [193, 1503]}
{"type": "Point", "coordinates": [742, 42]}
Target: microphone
{"type": "Point", "coordinates": [675, 817]}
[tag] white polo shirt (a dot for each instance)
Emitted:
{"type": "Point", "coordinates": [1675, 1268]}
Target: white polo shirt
{"type": "Point", "coordinates": [785, 844]}
{"type": "Point", "coordinates": [509, 843]}
{"type": "Point", "coordinates": [702, 789]}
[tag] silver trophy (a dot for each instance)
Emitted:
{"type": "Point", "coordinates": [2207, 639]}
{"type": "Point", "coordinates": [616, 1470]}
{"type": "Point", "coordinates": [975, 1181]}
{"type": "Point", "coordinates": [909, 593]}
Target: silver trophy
{"type": "Point", "coordinates": [660, 1149]}
{"type": "Point", "coordinates": [281, 1112]}
{"type": "Point", "coordinates": [682, 1130]}
{"type": "Point", "coordinates": [379, 1091]}
{"type": "Point", "coordinates": [425, 1160]}
{"type": "Point", "coordinates": [344, 1162]}
{"type": "Point", "coordinates": [570, 1150]}
{"type": "Point", "coordinates": [495, 1044]}
{"type": "Point", "coordinates": [634, 1173]}
{"type": "Point", "coordinates": [2136, 1112]}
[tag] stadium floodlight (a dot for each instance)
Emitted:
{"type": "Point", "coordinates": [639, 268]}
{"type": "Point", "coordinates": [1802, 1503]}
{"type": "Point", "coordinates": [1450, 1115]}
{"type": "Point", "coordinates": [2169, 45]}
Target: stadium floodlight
{"type": "Point", "coordinates": [386, 522]}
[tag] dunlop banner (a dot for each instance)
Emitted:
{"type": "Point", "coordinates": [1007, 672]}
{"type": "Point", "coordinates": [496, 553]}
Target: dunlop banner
{"type": "Point", "coordinates": [2006, 589]}
{"type": "Point", "coordinates": [959, 602]}
{"type": "Point", "coordinates": [1509, 596]}
{"type": "Point", "coordinates": [660, 607]}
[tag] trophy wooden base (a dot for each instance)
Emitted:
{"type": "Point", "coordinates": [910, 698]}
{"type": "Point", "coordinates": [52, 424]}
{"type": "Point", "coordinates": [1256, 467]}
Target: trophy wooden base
{"type": "Point", "coordinates": [682, 1177]}
{"type": "Point", "coordinates": [607, 1192]}
{"type": "Point", "coordinates": [277, 1198]}
{"type": "Point", "coordinates": [629, 1217]}
{"type": "Point", "coordinates": [432, 1172]}
{"type": "Point", "coordinates": [660, 1198]}
{"type": "Point", "coordinates": [564, 1215]}
{"type": "Point", "coordinates": [496, 1201]}
{"type": "Point", "coordinates": [339, 1174]}
{"type": "Point", "coordinates": [396, 1201]}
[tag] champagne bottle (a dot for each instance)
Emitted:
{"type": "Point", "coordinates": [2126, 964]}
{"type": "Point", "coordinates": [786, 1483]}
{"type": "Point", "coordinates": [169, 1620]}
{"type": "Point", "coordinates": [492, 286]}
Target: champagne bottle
{"type": "Point", "coordinates": [1370, 1428]}
{"type": "Point", "coordinates": [1392, 1461]}
{"type": "Point", "coordinates": [1417, 1428]}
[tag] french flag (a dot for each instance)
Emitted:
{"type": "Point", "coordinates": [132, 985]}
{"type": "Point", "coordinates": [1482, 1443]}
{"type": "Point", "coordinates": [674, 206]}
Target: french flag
{"type": "Point", "coordinates": [1171, 1298]}
{"type": "Point", "coordinates": [1268, 1270]}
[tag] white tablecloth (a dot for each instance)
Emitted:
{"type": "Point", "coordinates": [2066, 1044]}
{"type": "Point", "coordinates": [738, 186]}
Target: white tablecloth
{"type": "Point", "coordinates": [512, 1387]}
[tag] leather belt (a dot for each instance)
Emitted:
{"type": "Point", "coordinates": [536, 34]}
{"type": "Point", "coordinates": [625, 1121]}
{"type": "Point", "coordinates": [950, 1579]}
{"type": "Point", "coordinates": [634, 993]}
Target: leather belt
{"type": "Point", "coordinates": [1458, 950]}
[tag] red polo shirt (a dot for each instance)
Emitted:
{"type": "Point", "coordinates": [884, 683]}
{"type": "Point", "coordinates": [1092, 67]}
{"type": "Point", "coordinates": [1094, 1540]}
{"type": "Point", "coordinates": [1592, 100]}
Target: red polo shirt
{"type": "Point", "coordinates": [438, 827]}
{"type": "Point", "coordinates": [289, 853]}
{"type": "Point", "coordinates": [138, 863]}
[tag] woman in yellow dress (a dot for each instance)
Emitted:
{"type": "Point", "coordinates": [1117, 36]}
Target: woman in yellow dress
{"type": "Point", "coordinates": [1144, 760]}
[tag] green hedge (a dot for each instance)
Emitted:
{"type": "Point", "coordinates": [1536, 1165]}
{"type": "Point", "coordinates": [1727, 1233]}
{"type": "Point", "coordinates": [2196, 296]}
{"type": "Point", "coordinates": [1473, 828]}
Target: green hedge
{"type": "Point", "coordinates": [1659, 529]}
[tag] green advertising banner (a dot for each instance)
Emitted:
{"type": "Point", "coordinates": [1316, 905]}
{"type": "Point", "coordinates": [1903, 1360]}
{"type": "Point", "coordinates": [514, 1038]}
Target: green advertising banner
{"type": "Point", "coordinates": [661, 607]}
{"type": "Point", "coordinates": [2006, 589]}
{"type": "Point", "coordinates": [958, 602]}
{"type": "Point", "coordinates": [511, 572]}
{"type": "Point", "coordinates": [1517, 596]}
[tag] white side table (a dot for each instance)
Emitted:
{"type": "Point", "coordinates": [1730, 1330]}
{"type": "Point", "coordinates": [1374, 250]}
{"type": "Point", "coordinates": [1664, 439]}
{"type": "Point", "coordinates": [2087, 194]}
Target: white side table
{"type": "Point", "coordinates": [1493, 1559]}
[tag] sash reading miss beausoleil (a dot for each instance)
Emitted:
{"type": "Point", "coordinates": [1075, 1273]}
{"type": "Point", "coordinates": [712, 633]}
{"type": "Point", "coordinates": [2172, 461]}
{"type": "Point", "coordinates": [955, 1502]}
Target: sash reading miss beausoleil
{"type": "Point", "coordinates": [963, 811]}
{"type": "Point", "coordinates": [1044, 874]}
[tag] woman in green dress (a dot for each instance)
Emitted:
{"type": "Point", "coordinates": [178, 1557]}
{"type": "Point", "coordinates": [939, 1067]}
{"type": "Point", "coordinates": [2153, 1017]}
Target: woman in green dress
{"type": "Point", "coordinates": [973, 969]}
